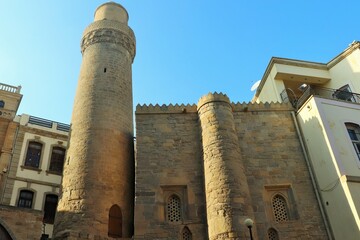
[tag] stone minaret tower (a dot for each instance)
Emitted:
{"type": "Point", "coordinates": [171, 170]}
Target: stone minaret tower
{"type": "Point", "coordinates": [98, 183]}
{"type": "Point", "coordinates": [227, 192]}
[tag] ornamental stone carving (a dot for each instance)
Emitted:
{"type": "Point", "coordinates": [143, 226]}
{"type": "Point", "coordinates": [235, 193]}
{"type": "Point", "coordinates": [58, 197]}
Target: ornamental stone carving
{"type": "Point", "coordinates": [108, 35]}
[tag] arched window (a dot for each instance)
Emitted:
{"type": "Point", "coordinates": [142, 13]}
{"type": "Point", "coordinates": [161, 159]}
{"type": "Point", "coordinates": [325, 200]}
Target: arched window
{"type": "Point", "coordinates": [115, 222]}
{"type": "Point", "coordinates": [273, 234]}
{"type": "Point", "coordinates": [173, 207]}
{"type": "Point", "coordinates": [186, 234]}
{"type": "Point", "coordinates": [280, 208]}
{"type": "Point", "coordinates": [57, 160]}
{"type": "Point", "coordinates": [354, 134]}
{"type": "Point", "coordinates": [33, 155]}
{"type": "Point", "coordinates": [2, 104]}
{"type": "Point", "coordinates": [25, 199]}
{"type": "Point", "coordinates": [51, 201]}
{"type": "Point", "coordinates": [4, 235]}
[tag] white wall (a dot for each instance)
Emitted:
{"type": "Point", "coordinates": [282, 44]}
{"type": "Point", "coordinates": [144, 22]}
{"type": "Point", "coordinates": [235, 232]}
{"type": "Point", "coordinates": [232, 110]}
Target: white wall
{"type": "Point", "coordinates": [43, 175]}
{"type": "Point", "coordinates": [333, 158]}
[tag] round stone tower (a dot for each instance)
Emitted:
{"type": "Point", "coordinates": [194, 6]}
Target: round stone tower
{"type": "Point", "coordinates": [227, 192]}
{"type": "Point", "coordinates": [98, 182]}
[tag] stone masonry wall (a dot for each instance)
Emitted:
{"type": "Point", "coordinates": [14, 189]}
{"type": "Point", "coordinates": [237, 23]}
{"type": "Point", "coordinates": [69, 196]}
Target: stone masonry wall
{"type": "Point", "coordinates": [275, 163]}
{"type": "Point", "coordinates": [21, 223]}
{"type": "Point", "coordinates": [168, 161]}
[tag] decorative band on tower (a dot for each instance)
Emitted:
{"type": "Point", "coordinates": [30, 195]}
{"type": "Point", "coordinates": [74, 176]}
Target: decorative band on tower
{"type": "Point", "coordinates": [108, 34]}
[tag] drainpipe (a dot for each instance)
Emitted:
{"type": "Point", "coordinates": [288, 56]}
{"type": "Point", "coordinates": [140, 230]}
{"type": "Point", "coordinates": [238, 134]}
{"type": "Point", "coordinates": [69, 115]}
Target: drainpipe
{"type": "Point", "coordinates": [313, 179]}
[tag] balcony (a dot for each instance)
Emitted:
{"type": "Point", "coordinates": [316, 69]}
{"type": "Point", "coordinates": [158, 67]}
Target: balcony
{"type": "Point", "coordinates": [9, 88]}
{"type": "Point", "coordinates": [49, 124]}
{"type": "Point", "coordinates": [343, 94]}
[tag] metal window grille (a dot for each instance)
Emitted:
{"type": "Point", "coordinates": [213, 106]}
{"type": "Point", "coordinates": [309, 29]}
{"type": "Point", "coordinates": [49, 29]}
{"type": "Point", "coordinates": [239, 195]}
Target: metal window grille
{"type": "Point", "coordinates": [186, 234]}
{"type": "Point", "coordinates": [272, 234]}
{"type": "Point", "coordinates": [174, 209]}
{"type": "Point", "coordinates": [280, 209]}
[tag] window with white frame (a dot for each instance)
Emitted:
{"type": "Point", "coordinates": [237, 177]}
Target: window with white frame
{"type": "Point", "coordinates": [354, 134]}
{"type": "Point", "coordinates": [25, 199]}
{"type": "Point", "coordinates": [33, 154]}
{"type": "Point", "coordinates": [51, 201]}
{"type": "Point", "coordinates": [57, 159]}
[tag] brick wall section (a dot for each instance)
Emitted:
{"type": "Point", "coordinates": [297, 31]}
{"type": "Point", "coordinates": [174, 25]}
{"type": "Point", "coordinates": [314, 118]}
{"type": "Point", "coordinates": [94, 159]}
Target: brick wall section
{"type": "Point", "coordinates": [272, 156]}
{"type": "Point", "coordinates": [21, 223]}
{"type": "Point", "coordinates": [168, 157]}
{"type": "Point", "coordinates": [227, 193]}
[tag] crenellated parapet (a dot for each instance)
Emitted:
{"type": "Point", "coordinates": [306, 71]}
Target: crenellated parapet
{"type": "Point", "coordinates": [159, 109]}
{"type": "Point", "coordinates": [216, 97]}
{"type": "Point", "coordinates": [261, 107]}
{"type": "Point", "coordinates": [213, 97]}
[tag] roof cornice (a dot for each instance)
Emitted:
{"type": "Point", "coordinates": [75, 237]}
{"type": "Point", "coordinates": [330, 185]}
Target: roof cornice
{"type": "Point", "coordinates": [291, 62]}
{"type": "Point", "coordinates": [306, 64]}
{"type": "Point", "coordinates": [352, 47]}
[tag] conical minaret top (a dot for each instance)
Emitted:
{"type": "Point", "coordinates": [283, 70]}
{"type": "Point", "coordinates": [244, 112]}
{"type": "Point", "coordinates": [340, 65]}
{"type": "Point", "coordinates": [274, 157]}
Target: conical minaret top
{"type": "Point", "coordinates": [98, 180]}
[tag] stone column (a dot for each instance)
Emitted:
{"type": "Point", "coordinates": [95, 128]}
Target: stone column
{"type": "Point", "coordinates": [226, 186]}
{"type": "Point", "coordinates": [99, 166]}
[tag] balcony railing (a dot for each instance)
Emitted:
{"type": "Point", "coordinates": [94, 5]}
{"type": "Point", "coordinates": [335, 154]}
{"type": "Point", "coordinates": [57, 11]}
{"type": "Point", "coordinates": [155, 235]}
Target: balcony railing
{"type": "Point", "coordinates": [337, 94]}
{"type": "Point", "coordinates": [48, 123]}
{"type": "Point", "coordinates": [10, 88]}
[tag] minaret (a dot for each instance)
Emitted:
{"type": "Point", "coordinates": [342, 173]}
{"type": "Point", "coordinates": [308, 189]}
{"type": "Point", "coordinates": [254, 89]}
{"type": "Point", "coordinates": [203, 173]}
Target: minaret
{"type": "Point", "coordinates": [98, 183]}
{"type": "Point", "coordinates": [227, 191]}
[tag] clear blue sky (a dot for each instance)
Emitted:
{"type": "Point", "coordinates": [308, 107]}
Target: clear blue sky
{"type": "Point", "coordinates": [185, 49]}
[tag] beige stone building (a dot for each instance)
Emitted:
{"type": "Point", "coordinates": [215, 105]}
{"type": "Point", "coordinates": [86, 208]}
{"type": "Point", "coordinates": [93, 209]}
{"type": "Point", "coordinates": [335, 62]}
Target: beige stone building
{"type": "Point", "coordinates": [31, 162]}
{"type": "Point", "coordinates": [201, 171]}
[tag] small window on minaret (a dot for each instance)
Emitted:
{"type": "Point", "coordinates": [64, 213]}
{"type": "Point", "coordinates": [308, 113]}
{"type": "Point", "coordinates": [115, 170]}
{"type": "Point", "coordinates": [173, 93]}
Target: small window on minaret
{"type": "Point", "coordinates": [104, 70]}
{"type": "Point", "coordinates": [2, 104]}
